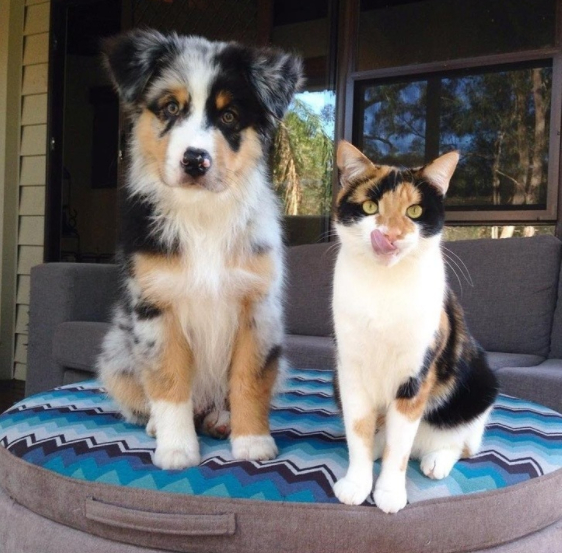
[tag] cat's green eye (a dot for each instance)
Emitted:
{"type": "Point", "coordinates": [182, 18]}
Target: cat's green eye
{"type": "Point", "coordinates": [369, 207]}
{"type": "Point", "coordinates": [414, 211]}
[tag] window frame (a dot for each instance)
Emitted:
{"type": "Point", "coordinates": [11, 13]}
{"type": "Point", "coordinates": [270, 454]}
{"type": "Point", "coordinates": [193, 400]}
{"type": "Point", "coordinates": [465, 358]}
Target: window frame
{"type": "Point", "coordinates": [349, 81]}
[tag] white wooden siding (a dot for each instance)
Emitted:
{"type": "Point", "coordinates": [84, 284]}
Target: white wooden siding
{"type": "Point", "coordinates": [37, 19]}
{"type": "Point", "coordinates": [34, 109]}
{"type": "Point", "coordinates": [36, 49]}
{"type": "Point", "coordinates": [35, 79]}
{"type": "Point", "coordinates": [32, 200]}
{"type": "Point", "coordinates": [24, 283]}
{"type": "Point", "coordinates": [33, 170]}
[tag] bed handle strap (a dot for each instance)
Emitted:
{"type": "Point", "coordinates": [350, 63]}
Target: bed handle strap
{"type": "Point", "coordinates": [160, 523]}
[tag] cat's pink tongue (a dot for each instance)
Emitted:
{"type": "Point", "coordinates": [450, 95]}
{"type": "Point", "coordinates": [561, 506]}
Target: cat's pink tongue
{"type": "Point", "coordinates": [381, 244]}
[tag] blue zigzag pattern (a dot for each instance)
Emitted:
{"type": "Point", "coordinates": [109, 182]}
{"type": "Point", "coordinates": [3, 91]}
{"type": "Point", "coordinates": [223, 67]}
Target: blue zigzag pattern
{"type": "Point", "coordinates": [75, 431]}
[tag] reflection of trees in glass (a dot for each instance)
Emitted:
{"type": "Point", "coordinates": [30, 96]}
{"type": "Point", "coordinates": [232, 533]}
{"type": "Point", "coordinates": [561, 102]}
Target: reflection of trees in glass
{"type": "Point", "coordinates": [302, 160]}
{"type": "Point", "coordinates": [499, 121]}
{"type": "Point", "coordinates": [394, 123]}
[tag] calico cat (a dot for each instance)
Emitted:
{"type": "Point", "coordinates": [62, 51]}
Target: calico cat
{"type": "Point", "coordinates": [407, 366]}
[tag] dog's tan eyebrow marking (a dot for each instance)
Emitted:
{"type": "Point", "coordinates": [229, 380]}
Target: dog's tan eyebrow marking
{"type": "Point", "coordinates": [222, 99]}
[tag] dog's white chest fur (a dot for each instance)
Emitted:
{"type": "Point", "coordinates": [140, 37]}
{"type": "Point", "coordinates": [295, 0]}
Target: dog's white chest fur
{"type": "Point", "coordinates": [385, 317]}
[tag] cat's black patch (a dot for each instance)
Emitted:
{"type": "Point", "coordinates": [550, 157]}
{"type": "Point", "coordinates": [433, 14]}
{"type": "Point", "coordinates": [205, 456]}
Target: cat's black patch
{"type": "Point", "coordinates": [463, 364]}
{"type": "Point", "coordinates": [146, 311]}
{"type": "Point", "coordinates": [475, 389]}
{"type": "Point", "coordinates": [433, 216]}
{"type": "Point", "coordinates": [349, 212]}
{"type": "Point", "coordinates": [409, 389]}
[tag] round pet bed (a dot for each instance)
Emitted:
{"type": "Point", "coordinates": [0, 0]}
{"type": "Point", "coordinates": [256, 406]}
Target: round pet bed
{"type": "Point", "coordinates": [68, 456]}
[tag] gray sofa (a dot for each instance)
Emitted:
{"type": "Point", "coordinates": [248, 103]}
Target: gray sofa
{"type": "Point", "coordinates": [508, 288]}
{"type": "Point", "coordinates": [510, 296]}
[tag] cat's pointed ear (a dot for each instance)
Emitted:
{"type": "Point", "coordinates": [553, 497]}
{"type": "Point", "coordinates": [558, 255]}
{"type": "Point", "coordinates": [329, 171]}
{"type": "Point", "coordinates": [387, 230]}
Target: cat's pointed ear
{"type": "Point", "coordinates": [351, 162]}
{"type": "Point", "coordinates": [440, 170]}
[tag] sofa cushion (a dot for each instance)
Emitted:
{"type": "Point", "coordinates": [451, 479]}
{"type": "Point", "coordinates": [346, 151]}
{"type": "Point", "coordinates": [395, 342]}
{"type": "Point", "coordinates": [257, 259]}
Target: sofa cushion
{"type": "Point", "coordinates": [66, 455]}
{"type": "Point", "coordinates": [498, 360]}
{"type": "Point", "coordinates": [308, 298]}
{"type": "Point", "coordinates": [542, 383]}
{"type": "Point", "coordinates": [556, 336]}
{"type": "Point", "coordinates": [76, 344]}
{"type": "Point", "coordinates": [509, 304]}
{"type": "Point", "coordinates": [314, 352]}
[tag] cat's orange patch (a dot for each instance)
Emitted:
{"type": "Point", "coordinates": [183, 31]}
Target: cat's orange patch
{"type": "Point", "coordinates": [413, 408]}
{"type": "Point", "coordinates": [370, 177]}
{"type": "Point", "coordinates": [393, 206]}
{"type": "Point", "coordinates": [365, 429]}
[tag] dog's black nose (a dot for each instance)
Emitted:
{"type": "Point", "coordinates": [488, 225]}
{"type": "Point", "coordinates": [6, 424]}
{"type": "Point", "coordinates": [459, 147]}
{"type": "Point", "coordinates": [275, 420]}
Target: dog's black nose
{"type": "Point", "coordinates": [196, 162]}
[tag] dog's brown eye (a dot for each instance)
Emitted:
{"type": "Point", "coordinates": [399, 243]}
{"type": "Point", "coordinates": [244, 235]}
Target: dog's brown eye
{"type": "Point", "coordinates": [172, 108]}
{"type": "Point", "coordinates": [228, 117]}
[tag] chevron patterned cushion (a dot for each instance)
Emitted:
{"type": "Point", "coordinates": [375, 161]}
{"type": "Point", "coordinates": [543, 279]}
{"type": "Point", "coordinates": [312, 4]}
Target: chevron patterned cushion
{"type": "Point", "coordinates": [75, 431]}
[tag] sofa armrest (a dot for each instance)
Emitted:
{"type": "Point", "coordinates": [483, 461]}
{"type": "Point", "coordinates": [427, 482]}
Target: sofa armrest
{"type": "Point", "coordinates": [63, 292]}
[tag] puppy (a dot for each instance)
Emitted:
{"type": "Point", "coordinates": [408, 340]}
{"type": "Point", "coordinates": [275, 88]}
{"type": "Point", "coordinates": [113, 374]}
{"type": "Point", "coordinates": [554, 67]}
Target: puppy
{"type": "Point", "coordinates": [197, 331]}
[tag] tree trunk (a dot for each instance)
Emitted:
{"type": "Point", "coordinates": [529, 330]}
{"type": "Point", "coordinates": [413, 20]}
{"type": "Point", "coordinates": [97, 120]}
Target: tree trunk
{"type": "Point", "coordinates": [520, 111]}
{"type": "Point", "coordinates": [539, 146]}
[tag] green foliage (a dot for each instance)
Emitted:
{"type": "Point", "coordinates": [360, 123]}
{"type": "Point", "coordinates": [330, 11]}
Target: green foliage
{"type": "Point", "coordinates": [302, 161]}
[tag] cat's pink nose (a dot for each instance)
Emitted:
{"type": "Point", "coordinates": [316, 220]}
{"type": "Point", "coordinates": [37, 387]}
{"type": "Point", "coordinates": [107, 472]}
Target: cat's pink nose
{"type": "Point", "coordinates": [382, 243]}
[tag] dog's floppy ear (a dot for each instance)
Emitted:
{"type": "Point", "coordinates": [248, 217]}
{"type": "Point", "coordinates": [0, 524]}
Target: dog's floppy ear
{"type": "Point", "coordinates": [276, 76]}
{"type": "Point", "coordinates": [133, 58]}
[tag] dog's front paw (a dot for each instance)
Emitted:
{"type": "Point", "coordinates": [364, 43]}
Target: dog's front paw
{"type": "Point", "coordinates": [217, 424]}
{"type": "Point", "coordinates": [177, 457]}
{"type": "Point", "coordinates": [352, 492]}
{"type": "Point", "coordinates": [390, 500]}
{"type": "Point", "coordinates": [151, 427]}
{"type": "Point", "coordinates": [254, 448]}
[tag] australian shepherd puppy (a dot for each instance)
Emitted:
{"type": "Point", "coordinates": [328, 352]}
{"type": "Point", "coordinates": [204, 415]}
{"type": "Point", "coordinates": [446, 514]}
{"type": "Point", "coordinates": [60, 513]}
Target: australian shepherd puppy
{"type": "Point", "coordinates": [197, 332]}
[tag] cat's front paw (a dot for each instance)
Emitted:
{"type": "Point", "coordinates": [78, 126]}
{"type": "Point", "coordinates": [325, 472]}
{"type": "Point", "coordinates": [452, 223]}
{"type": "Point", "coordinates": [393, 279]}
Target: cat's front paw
{"type": "Point", "coordinates": [254, 448]}
{"type": "Point", "coordinates": [352, 492]}
{"type": "Point", "coordinates": [390, 500]}
{"type": "Point", "coordinates": [438, 465]}
{"type": "Point", "coordinates": [177, 457]}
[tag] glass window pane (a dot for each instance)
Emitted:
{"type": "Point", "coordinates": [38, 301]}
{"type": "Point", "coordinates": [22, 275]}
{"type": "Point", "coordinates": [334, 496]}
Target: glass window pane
{"type": "Point", "coordinates": [494, 231]}
{"type": "Point", "coordinates": [303, 148]}
{"type": "Point", "coordinates": [499, 119]}
{"type": "Point", "coordinates": [400, 33]}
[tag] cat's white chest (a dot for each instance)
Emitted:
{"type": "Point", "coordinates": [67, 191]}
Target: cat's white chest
{"type": "Point", "coordinates": [385, 319]}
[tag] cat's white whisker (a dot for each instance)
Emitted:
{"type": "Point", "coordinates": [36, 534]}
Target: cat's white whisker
{"type": "Point", "coordinates": [451, 264]}
{"type": "Point", "coordinates": [466, 272]}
